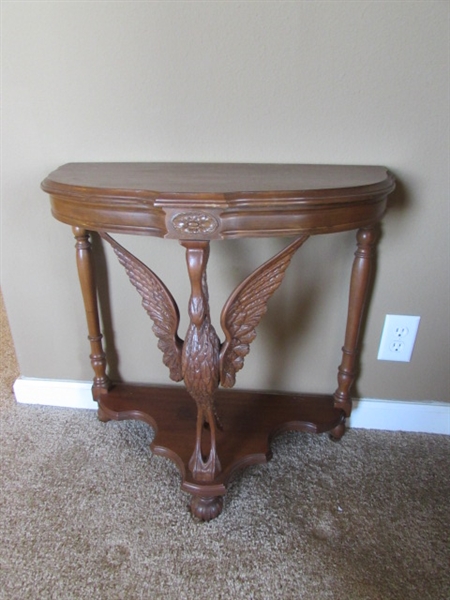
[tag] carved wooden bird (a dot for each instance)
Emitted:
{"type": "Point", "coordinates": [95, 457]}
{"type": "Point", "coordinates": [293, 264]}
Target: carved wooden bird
{"type": "Point", "coordinates": [201, 360]}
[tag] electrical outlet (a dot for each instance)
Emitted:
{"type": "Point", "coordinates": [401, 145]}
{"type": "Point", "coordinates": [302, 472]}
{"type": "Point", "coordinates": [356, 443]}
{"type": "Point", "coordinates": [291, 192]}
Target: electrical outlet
{"type": "Point", "coordinates": [398, 337]}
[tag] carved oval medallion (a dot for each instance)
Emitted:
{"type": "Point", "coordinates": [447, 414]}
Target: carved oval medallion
{"type": "Point", "coordinates": [195, 223]}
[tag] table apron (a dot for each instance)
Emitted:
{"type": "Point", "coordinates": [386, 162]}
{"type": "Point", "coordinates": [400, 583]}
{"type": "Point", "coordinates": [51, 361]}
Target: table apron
{"type": "Point", "coordinates": [214, 223]}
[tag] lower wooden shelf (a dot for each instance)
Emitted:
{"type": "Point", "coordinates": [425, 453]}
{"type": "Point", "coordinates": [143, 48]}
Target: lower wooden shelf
{"type": "Point", "coordinates": [249, 421]}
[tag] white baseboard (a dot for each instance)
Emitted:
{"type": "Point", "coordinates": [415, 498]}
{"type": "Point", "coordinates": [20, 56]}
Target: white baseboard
{"type": "Point", "coordinates": [368, 413]}
{"type": "Point", "coordinates": [401, 415]}
{"type": "Point", "coordinates": [54, 392]}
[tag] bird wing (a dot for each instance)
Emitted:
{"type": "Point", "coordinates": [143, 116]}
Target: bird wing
{"type": "Point", "coordinates": [158, 303]}
{"type": "Point", "coordinates": [245, 308]}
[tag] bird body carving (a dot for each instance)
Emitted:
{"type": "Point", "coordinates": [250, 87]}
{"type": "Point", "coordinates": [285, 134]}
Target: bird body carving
{"type": "Point", "coordinates": [201, 360]}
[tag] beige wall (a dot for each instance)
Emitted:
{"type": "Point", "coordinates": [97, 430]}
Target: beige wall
{"type": "Point", "coordinates": [318, 82]}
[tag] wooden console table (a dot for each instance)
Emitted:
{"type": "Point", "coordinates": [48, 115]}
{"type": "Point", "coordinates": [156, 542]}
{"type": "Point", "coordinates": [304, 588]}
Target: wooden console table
{"type": "Point", "coordinates": [222, 431]}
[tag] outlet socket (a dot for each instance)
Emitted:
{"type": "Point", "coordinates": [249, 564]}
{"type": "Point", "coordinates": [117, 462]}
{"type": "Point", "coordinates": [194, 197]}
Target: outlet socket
{"type": "Point", "coordinates": [398, 337]}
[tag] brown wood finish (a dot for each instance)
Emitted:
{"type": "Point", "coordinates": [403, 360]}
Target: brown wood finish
{"type": "Point", "coordinates": [250, 421]}
{"type": "Point", "coordinates": [86, 276]}
{"type": "Point", "coordinates": [208, 433]}
{"type": "Point", "coordinates": [359, 286]}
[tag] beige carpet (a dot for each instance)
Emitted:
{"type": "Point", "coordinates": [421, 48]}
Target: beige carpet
{"type": "Point", "coordinates": [86, 513]}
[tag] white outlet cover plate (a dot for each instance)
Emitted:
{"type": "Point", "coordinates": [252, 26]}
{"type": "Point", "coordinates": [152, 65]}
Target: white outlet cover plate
{"type": "Point", "coordinates": [398, 337]}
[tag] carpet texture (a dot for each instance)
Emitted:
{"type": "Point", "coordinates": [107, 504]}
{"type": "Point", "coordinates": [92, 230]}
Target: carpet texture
{"type": "Point", "coordinates": [86, 512]}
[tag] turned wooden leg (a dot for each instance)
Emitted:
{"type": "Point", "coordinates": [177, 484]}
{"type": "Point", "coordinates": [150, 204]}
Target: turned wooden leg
{"type": "Point", "coordinates": [359, 285]}
{"type": "Point", "coordinates": [88, 288]}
